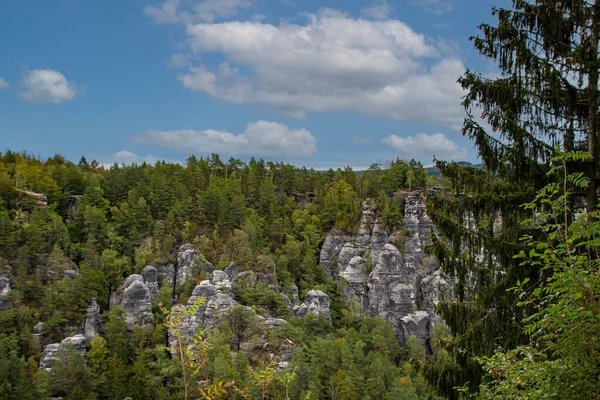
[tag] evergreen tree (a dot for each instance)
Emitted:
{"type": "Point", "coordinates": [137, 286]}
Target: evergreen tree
{"type": "Point", "coordinates": [545, 97]}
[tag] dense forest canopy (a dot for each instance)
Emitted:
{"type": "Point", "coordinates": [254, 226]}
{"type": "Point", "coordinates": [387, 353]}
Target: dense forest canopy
{"type": "Point", "coordinates": [72, 232]}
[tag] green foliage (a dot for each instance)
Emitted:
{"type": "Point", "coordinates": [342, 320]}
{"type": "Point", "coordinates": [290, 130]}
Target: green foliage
{"type": "Point", "coordinates": [561, 358]}
{"type": "Point", "coordinates": [101, 225]}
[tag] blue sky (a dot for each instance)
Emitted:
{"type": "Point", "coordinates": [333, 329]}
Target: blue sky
{"type": "Point", "coordinates": [315, 83]}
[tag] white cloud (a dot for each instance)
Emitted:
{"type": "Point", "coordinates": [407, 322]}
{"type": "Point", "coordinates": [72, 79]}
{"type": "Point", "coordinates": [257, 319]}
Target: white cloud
{"type": "Point", "coordinates": [360, 140]}
{"type": "Point", "coordinates": [424, 145]}
{"type": "Point", "coordinates": [378, 10]}
{"type": "Point", "coordinates": [332, 63]}
{"type": "Point", "coordinates": [437, 7]}
{"type": "Point", "coordinates": [260, 138]}
{"type": "Point", "coordinates": [48, 86]}
{"type": "Point", "coordinates": [178, 61]}
{"type": "Point", "coordinates": [128, 157]}
{"type": "Point", "coordinates": [166, 13]}
{"type": "Point", "coordinates": [3, 84]}
{"type": "Point", "coordinates": [172, 11]}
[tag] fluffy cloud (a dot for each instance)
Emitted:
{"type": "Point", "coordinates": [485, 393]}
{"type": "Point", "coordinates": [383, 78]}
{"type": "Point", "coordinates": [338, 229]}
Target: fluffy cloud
{"type": "Point", "coordinates": [3, 84]}
{"type": "Point", "coordinates": [332, 63]}
{"type": "Point", "coordinates": [360, 140]}
{"type": "Point", "coordinates": [173, 11]}
{"type": "Point", "coordinates": [128, 157]}
{"type": "Point", "coordinates": [378, 10]}
{"type": "Point", "coordinates": [424, 145]}
{"type": "Point", "coordinates": [260, 138]}
{"type": "Point", "coordinates": [47, 86]}
{"type": "Point", "coordinates": [437, 7]}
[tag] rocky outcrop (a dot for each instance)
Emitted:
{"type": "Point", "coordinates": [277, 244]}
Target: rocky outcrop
{"type": "Point", "coordinates": [92, 324]}
{"type": "Point", "coordinates": [186, 263]}
{"type": "Point", "coordinates": [315, 302]}
{"type": "Point", "coordinates": [330, 250]}
{"type": "Point", "coordinates": [367, 220]}
{"type": "Point", "coordinates": [150, 275]}
{"type": "Point", "coordinates": [165, 274]}
{"type": "Point", "coordinates": [53, 351]}
{"type": "Point", "coordinates": [134, 297]}
{"type": "Point", "coordinates": [355, 274]}
{"type": "Point", "coordinates": [38, 334]}
{"type": "Point", "coordinates": [418, 324]}
{"type": "Point", "coordinates": [388, 274]}
{"type": "Point", "coordinates": [5, 280]}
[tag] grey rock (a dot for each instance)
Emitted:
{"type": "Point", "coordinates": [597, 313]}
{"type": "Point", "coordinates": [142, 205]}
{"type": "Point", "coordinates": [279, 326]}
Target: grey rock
{"type": "Point", "coordinates": [417, 324]}
{"type": "Point", "coordinates": [347, 253]}
{"type": "Point", "coordinates": [38, 333]}
{"type": "Point", "coordinates": [295, 298]}
{"type": "Point", "coordinates": [186, 263]}
{"type": "Point", "coordinates": [379, 238]}
{"type": "Point", "coordinates": [275, 322]}
{"type": "Point", "coordinates": [165, 273]}
{"type": "Point", "coordinates": [267, 279]}
{"type": "Point", "coordinates": [367, 219]}
{"type": "Point", "coordinates": [248, 278]}
{"type": "Point", "coordinates": [300, 310]}
{"type": "Point", "coordinates": [355, 275]}
{"type": "Point", "coordinates": [403, 300]}
{"type": "Point", "coordinates": [49, 355]}
{"type": "Point", "coordinates": [53, 351]}
{"type": "Point", "coordinates": [92, 324]}
{"type": "Point", "coordinates": [218, 306]}
{"type": "Point", "coordinates": [150, 275]}
{"type": "Point", "coordinates": [5, 280]}
{"type": "Point", "coordinates": [231, 270]}
{"type": "Point", "coordinates": [330, 250]}
{"type": "Point", "coordinates": [389, 271]}
{"type": "Point", "coordinates": [136, 302]}
{"type": "Point", "coordinates": [315, 302]}
{"type": "Point", "coordinates": [218, 276]}
{"type": "Point", "coordinates": [435, 288]}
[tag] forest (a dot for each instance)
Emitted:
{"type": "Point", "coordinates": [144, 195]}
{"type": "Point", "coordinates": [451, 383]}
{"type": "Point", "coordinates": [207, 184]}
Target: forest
{"type": "Point", "coordinates": [517, 237]}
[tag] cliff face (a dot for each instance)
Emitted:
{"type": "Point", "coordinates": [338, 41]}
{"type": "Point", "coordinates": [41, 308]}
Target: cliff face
{"type": "Point", "coordinates": [388, 273]}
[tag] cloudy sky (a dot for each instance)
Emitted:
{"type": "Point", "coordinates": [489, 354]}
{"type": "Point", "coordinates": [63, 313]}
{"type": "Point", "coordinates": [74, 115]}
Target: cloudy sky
{"type": "Point", "coordinates": [327, 83]}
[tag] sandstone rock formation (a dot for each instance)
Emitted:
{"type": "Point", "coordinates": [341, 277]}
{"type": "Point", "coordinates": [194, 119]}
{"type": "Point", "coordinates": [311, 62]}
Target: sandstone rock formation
{"type": "Point", "coordinates": [134, 297]}
{"type": "Point", "coordinates": [53, 351]}
{"type": "Point", "coordinates": [92, 324]}
{"type": "Point", "coordinates": [186, 262]}
{"type": "Point", "coordinates": [150, 275]}
{"type": "Point", "coordinates": [315, 302]}
{"type": "Point", "coordinates": [388, 274]}
{"type": "Point", "coordinates": [5, 279]}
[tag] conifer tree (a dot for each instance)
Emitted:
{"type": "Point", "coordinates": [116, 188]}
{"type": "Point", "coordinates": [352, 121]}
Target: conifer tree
{"type": "Point", "coordinates": [545, 98]}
